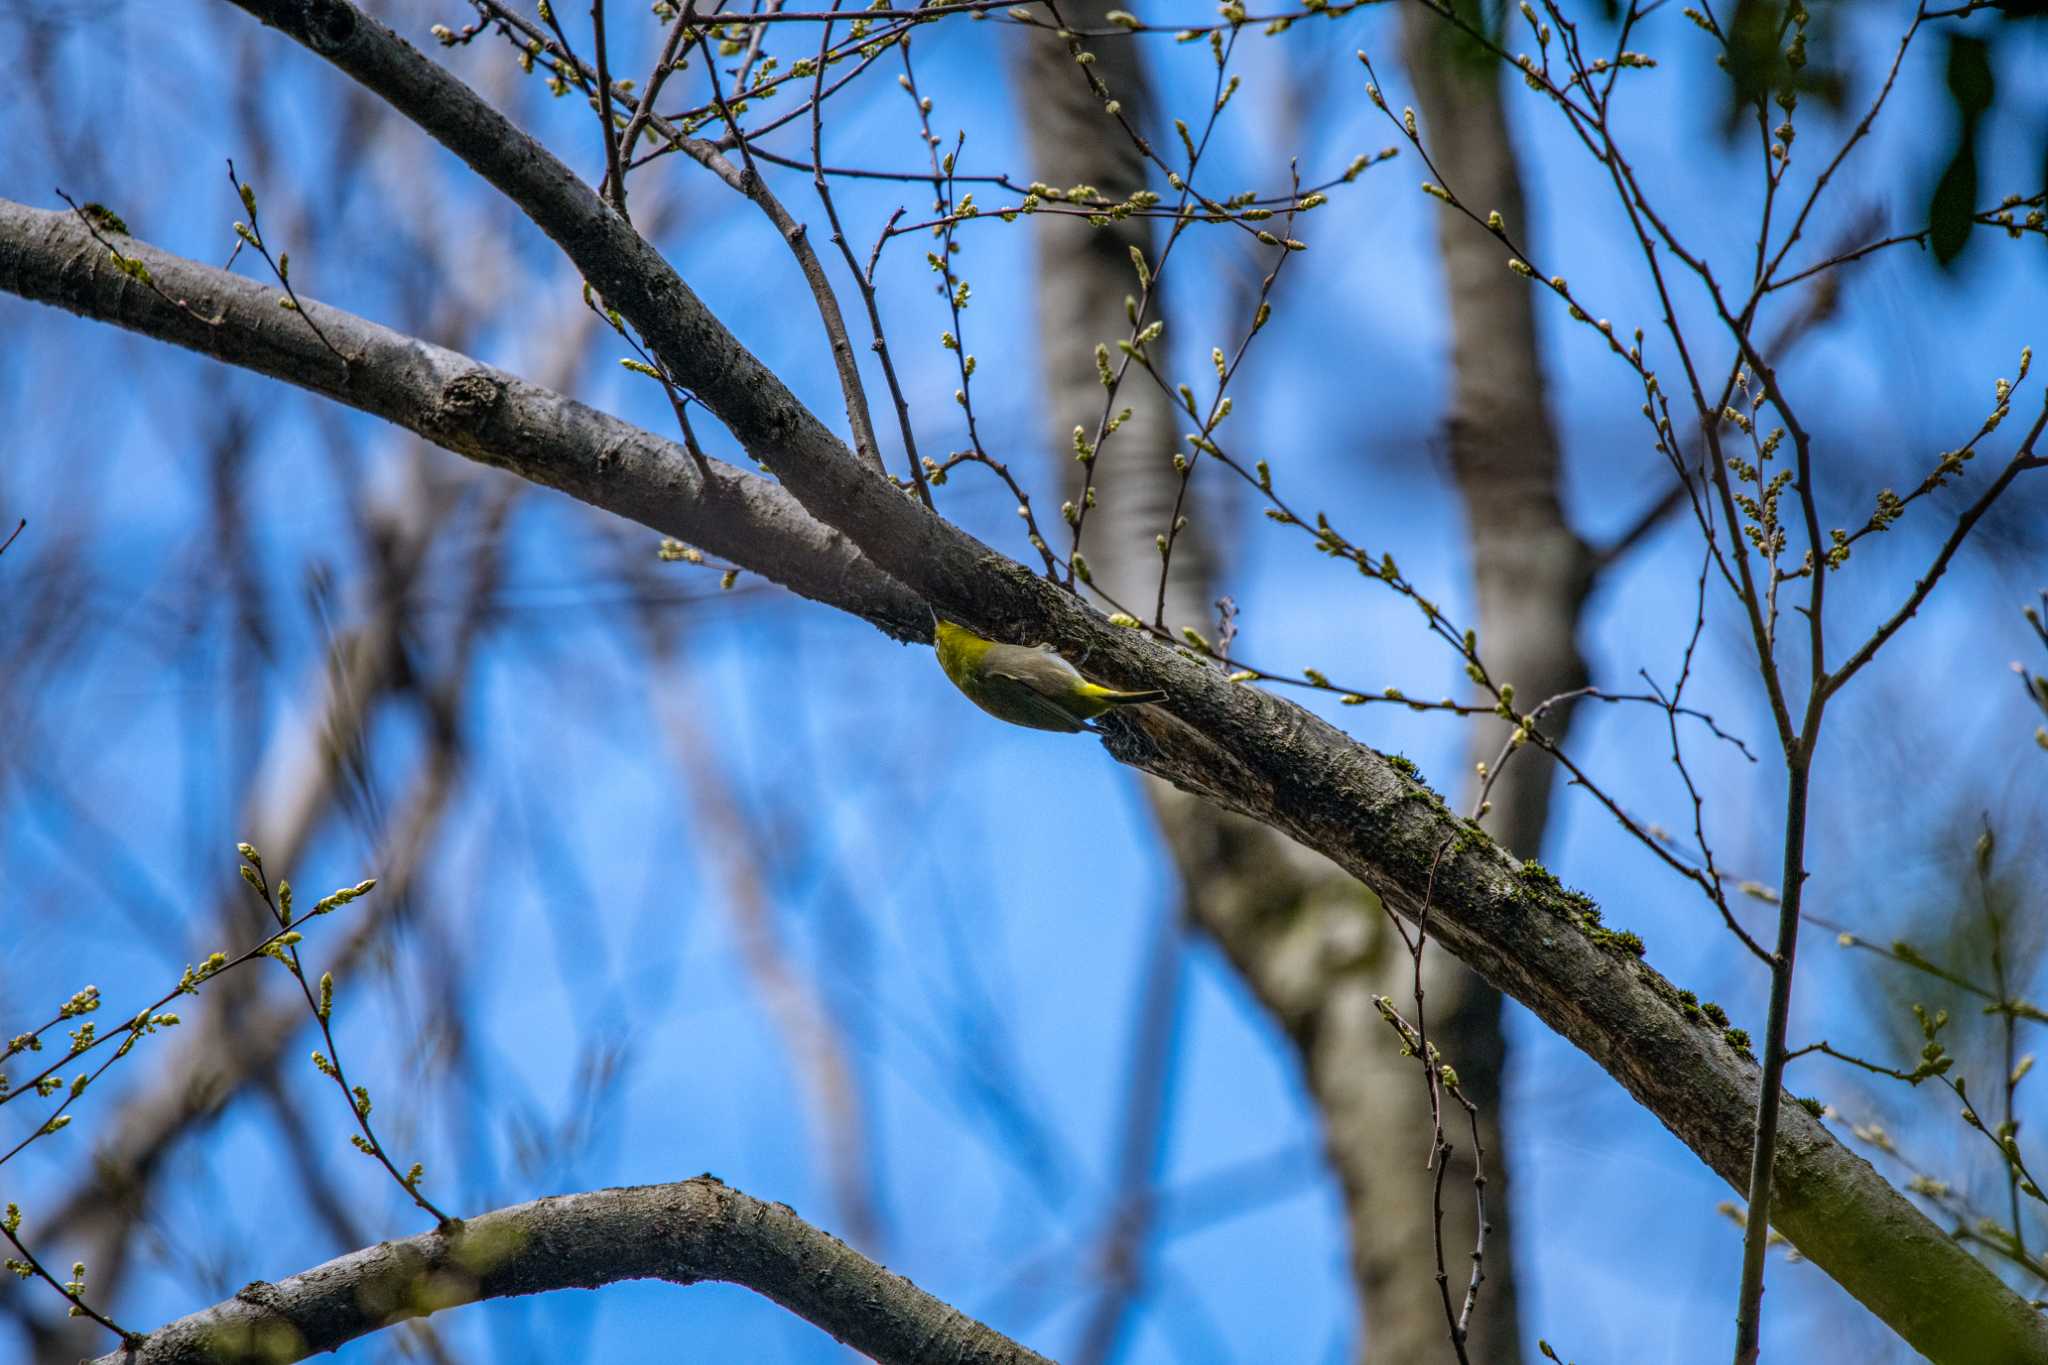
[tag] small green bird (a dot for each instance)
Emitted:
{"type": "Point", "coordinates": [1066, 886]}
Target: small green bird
{"type": "Point", "coordinates": [1029, 687]}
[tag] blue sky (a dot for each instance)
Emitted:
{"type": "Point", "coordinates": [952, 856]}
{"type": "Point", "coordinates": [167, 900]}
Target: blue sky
{"type": "Point", "coordinates": [973, 902]}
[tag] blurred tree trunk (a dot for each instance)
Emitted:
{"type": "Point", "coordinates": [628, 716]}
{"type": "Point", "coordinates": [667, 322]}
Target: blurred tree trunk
{"type": "Point", "coordinates": [1288, 919]}
{"type": "Point", "coordinates": [1531, 577]}
{"type": "Point", "coordinates": [1084, 275]}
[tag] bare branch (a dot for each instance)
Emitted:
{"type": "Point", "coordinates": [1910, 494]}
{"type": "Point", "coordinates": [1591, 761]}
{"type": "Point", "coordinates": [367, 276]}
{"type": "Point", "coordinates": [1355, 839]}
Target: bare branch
{"type": "Point", "coordinates": [2023, 459]}
{"type": "Point", "coordinates": [470, 408]}
{"type": "Point", "coordinates": [686, 1233]}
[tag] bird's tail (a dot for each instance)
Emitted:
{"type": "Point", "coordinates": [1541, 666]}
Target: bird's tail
{"type": "Point", "coordinates": [1133, 698]}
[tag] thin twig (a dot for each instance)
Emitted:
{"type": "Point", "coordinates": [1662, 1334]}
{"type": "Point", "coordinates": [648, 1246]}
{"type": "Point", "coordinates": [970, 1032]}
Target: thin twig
{"type": "Point", "coordinates": [750, 183]}
{"type": "Point", "coordinates": [608, 131]}
{"type": "Point", "coordinates": [864, 280]}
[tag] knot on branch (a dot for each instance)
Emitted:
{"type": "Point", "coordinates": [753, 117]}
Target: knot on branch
{"type": "Point", "coordinates": [329, 24]}
{"type": "Point", "coordinates": [466, 398]}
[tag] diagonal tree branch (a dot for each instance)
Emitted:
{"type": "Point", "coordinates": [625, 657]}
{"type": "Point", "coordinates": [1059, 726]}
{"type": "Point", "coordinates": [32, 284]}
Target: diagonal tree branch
{"type": "Point", "coordinates": [457, 403]}
{"type": "Point", "coordinates": [686, 1233]}
{"type": "Point", "coordinates": [697, 349]}
{"type": "Point", "coordinates": [1243, 749]}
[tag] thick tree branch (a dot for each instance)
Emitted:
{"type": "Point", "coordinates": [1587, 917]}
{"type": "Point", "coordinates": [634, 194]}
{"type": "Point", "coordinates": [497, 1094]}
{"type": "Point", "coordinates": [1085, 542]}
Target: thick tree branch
{"type": "Point", "coordinates": [705, 357]}
{"type": "Point", "coordinates": [456, 402]}
{"type": "Point", "coordinates": [1244, 749]}
{"type": "Point", "coordinates": [1237, 746]}
{"type": "Point", "coordinates": [686, 1233]}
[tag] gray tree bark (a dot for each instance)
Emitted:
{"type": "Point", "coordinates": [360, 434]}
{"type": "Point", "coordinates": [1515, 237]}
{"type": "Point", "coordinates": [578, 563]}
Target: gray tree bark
{"type": "Point", "coordinates": [1240, 748]}
{"type": "Point", "coordinates": [1243, 749]}
{"type": "Point", "coordinates": [1531, 575]}
{"type": "Point", "coordinates": [686, 1233]}
{"type": "Point", "coordinates": [1372, 1099]}
{"type": "Point", "coordinates": [1084, 274]}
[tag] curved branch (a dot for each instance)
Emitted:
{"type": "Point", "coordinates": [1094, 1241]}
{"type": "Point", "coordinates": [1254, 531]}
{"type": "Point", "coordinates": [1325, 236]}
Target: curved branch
{"type": "Point", "coordinates": [685, 1233]}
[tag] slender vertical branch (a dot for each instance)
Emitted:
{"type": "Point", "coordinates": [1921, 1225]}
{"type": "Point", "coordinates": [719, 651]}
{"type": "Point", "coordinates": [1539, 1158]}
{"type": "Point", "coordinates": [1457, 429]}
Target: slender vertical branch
{"type": "Point", "coordinates": [2008, 1019]}
{"type": "Point", "coordinates": [608, 129]}
{"type": "Point", "coordinates": [864, 280]}
{"type": "Point", "coordinates": [750, 182]}
{"type": "Point", "coordinates": [1757, 1227]}
{"type": "Point", "coordinates": [664, 66]}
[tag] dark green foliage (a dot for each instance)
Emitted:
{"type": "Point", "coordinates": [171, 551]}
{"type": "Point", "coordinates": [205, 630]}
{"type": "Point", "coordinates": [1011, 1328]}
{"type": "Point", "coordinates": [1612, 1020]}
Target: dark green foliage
{"type": "Point", "coordinates": [1971, 86]}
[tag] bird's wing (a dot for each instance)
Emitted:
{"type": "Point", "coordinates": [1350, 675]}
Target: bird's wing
{"type": "Point", "coordinates": [1045, 713]}
{"type": "Point", "coordinates": [1027, 677]}
{"type": "Point", "coordinates": [1038, 666]}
